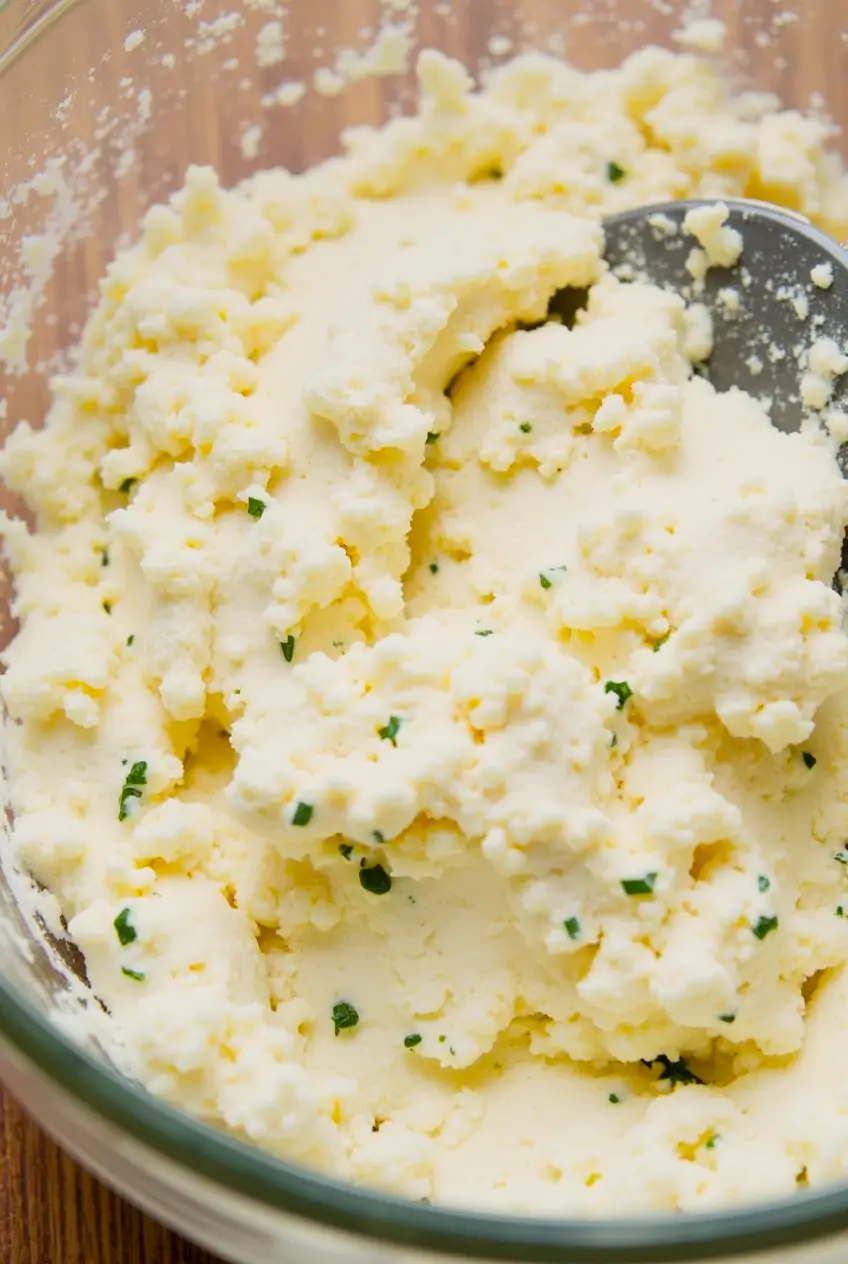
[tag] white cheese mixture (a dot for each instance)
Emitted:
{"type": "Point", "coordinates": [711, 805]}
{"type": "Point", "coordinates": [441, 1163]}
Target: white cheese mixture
{"type": "Point", "coordinates": [432, 718]}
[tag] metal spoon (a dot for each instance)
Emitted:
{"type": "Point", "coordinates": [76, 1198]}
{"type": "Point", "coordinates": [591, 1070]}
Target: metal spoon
{"type": "Point", "coordinates": [762, 347]}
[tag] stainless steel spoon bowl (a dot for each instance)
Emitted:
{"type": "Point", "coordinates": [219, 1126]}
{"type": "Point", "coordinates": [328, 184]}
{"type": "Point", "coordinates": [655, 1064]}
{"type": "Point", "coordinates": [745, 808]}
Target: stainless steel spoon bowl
{"type": "Point", "coordinates": [762, 347]}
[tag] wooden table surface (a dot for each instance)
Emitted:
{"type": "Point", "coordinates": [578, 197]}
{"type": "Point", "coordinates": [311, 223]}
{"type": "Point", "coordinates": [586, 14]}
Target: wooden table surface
{"type": "Point", "coordinates": [51, 1211]}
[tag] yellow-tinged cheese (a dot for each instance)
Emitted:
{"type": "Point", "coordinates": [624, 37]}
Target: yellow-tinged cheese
{"type": "Point", "coordinates": [428, 713]}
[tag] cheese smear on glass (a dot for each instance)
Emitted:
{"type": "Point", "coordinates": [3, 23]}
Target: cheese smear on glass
{"type": "Point", "coordinates": [432, 714]}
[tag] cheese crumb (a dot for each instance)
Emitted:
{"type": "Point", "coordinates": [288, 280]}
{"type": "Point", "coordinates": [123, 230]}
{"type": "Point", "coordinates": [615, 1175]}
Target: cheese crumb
{"type": "Point", "coordinates": [822, 275]}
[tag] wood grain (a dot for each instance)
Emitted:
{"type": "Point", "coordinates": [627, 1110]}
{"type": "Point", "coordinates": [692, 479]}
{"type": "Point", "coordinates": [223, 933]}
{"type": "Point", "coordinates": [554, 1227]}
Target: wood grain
{"type": "Point", "coordinates": [51, 1211]}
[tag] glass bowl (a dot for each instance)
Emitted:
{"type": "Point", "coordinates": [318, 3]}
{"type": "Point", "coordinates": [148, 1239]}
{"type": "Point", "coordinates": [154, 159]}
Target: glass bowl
{"type": "Point", "coordinates": [104, 103]}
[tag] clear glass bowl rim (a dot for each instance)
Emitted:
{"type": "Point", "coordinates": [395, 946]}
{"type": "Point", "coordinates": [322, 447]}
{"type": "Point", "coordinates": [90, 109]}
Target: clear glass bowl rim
{"type": "Point", "coordinates": [368, 1214]}
{"type": "Point", "coordinates": [376, 1217]}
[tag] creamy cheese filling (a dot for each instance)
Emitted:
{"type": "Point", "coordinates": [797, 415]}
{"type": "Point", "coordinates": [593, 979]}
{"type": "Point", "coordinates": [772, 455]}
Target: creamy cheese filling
{"type": "Point", "coordinates": [433, 714]}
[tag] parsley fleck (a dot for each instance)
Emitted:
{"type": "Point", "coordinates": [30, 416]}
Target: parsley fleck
{"type": "Point", "coordinates": [346, 850]}
{"type": "Point", "coordinates": [136, 777]}
{"type": "Point", "coordinates": [572, 927]}
{"type": "Point", "coordinates": [840, 911]}
{"type": "Point", "coordinates": [525, 427]}
{"type": "Point", "coordinates": [546, 577]}
{"type": "Point", "coordinates": [727, 1018]}
{"type": "Point", "coordinates": [137, 975]}
{"type": "Point", "coordinates": [302, 813]}
{"type": "Point", "coordinates": [614, 741]}
{"type": "Point", "coordinates": [483, 632]}
{"type": "Point", "coordinates": [375, 879]}
{"type": "Point", "coordinates": [434, 568]}
{"type": "Point", "coordinates": [442, 1039]}
{"type": "Point", "coordinates": [614, 1098]}
{"type": "Point", "coordinates": [124, 928]}
{"type": "Point", "coordinates": [409, 1042]}
{"type": "Point", "coordinates": [640, 886]}
{"type": "Point", "coordinates": [763, 882]}
{"type": "Point", "coordinates": [344, 1016]}
{"type": "Point", "coordinates": [621, 689]}
{"type": "Point", "coordinates": [709, 1144]}
{"type": "Point", "coordinates": [104, 557]}
{"type": "Point", "coordinates": [841, 857]}
{"type": "Point", "coordinates": [764, 926]}
{"type": "Point", "coordinates": [255, 506]}
{"type": "Point", "coordinates": [107, 606]}
{"type": "Point", "coordinates": [615, 172]}
{"type": "Point", "coordinates": [661, 642]}
{"type": "Point", "coordinates": [389, 731]}
{"type": "Point", "coordinates": [378, 837]}
{"type": "Point", "coordinates": [130, 638]}
{"type": "Point", "coordinates": [432, 436]}
{"type": "Point", "coordinates": [675, 1072]}
{"type": "Point", "coordinates": [809, 759]}
{"type": "Point", "coordinates": [127, 485]}
{"type": "Point", "coordinates": [287, 646]}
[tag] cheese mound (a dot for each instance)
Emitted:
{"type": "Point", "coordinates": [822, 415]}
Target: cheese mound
{"type": "Point", "coordinates": [432, 705]}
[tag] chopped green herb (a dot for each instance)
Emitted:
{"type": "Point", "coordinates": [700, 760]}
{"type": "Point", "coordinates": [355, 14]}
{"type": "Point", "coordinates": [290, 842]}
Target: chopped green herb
{"type": "Point", "coordinates": [525, 427]}
{"type": "Point", "coordinates": [546, 577]}
{"type": "Point", "coordinates": [709, 1144]}
{"type": "Point", "coordinates": [614, 741]}
{"type": "Point", "coordinates": [255, 506]}
{"type": "Point", "coordinates": [389, 731]}
{"type": "Point", "coordinates": [483, 632]}
{"type": "Point", "coordinates": [344, 1016]}
{"type": "Point", "coordinates": [764, 926]}
{"type": "Point", "coordinates": [675, 1072]}
{"type": "Point", "coordinates": [137, 975]}
{"type": "Point", "coordinates": [346, 850]}
{"type": "Point", "coordinates": [615, 172]}
{"type": "Point", "coordinates": [434, 568]}
{"type": "Point", "coordinates": [136, 777]}
{"type": "Point", "coordinates": [127, 485]}
{"type": "Point", "coordinates": [107, 606]}
{"type": "Point", "coordinates": [104, 557]}
{"type": "Point", "coordinates": [432, 436]}
{"type": "Point", "coordinates": [809, 759]}
{"type": "Point", "coordinates": [409, 1042]}
{"type": "Point", "coordinates": [302, 813]}
{"type": "Point", "coordinates": [378, 837]}
{"type": "Point", "coordinates": [763, 882]}
{"type": "Point", "coordinates": [841, 857]}
{"type": "Point", "coordinates": [661, 642]}
{"type": "Point", "coordinates": [130, 638]}
{"type": "Point", "coordinates": [442, 1039]}
{"type": "Point", "coordinates": [840, 910]}
{"type": "Point", "coordinates": [124, 928]}
{"type": "Point", "coordinates": [375, 879]}
{"type": "Point", "coordinates": [640, 886]}
{"type": "Point", "coordinates": [572, 927]}
{"type": "Point", "coordinates": [287, 646]}
{"type": "Point", "coordinates": [727, 1018]}
{"type": "Point", "coordinates": [614, 1098]}
{"type": "Point", "coordinates": [621, 689]}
